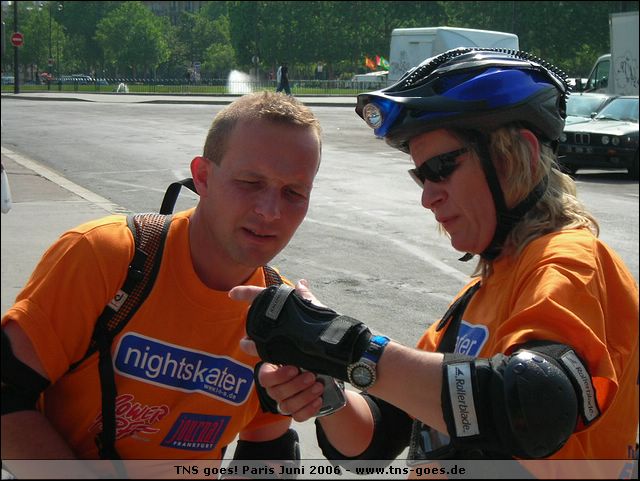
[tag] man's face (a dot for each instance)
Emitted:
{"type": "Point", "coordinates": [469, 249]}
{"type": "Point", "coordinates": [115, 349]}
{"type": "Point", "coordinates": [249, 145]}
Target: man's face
{"type": "Point", "coordinates": [259, 194]}
{"type": "Point", "coordinates": [462, 202]}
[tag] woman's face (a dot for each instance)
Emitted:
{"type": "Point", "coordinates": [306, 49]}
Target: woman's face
{"type": "Point", "coordinates": [462, 202]}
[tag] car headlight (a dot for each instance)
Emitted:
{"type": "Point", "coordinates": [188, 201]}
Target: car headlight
{"type": "Point", "coordinates": [605, 140]}
{"type": "Point", "coordinates": [615, 140]}
{"type": "Point", "coordinates": [563, 137]}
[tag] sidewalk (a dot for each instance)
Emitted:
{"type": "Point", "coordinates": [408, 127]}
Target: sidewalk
{"type": "Point", "coordinates": [111, 97]}
{"type": "Point", "coordinates": [42, 210]}
{"type": "Point", "coordinates": [45, 205]}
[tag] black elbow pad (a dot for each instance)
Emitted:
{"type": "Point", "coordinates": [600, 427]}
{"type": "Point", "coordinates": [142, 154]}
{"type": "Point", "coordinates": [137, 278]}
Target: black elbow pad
{"type": "Point", "coordinates": [21, 385]}
{"type": "Point", "coordinates": [524, 405]}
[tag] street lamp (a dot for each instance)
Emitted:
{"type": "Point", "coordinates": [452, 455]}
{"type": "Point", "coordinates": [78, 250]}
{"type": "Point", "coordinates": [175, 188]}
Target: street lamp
{"type": "Point", "coordinates": [49, 59]}
{"type": "Point", "coordinates": [60, 8]}
{"type": "Point", "coordinates": [16, 63]}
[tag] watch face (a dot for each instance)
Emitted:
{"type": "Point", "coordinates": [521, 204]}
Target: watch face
{"type": "Point", "coordinates": [361, 375]}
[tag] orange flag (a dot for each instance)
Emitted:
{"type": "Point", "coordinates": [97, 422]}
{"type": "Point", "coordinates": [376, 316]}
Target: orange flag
{"type": "Point", "coordinates": [369, 63]}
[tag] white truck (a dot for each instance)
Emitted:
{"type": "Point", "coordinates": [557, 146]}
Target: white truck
{"type": "Point", "coordinates": [616, 73]}
{"type": "Point", "coordinates": [410, 46]}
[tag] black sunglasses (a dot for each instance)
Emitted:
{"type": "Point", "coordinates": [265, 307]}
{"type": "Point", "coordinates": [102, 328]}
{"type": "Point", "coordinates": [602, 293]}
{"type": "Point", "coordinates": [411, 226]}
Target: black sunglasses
{"type": "Point", "coordinates": [437, 168]}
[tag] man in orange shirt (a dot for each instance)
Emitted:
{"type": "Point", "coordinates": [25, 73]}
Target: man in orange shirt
{"type": "Point", "coordinates": [185, 389]}
{"type": "Point", "coordinates": [537, 357]}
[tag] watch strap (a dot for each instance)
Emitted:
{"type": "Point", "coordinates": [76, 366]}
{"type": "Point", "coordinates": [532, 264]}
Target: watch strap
{"type": "Point", "coordinates": [368, 361]}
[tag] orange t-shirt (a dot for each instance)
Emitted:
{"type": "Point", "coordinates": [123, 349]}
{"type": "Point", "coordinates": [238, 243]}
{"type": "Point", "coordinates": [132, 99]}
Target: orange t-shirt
{"type": "Point", "coordinates": [571, 288]}
{"type": "Point", "coordinates": [185, 388]}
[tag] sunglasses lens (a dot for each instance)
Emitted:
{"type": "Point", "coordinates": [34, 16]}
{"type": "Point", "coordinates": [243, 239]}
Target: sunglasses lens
{"type": "Point", "coordinates": [436, 169]}
{"type": "Point", "coordinates": [416, 177]}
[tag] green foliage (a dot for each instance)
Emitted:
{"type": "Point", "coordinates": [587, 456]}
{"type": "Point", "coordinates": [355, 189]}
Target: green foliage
{"type": "Point", "coordinates": [109, 38]}
{"type": "Point", "coordinates": [133, 39]}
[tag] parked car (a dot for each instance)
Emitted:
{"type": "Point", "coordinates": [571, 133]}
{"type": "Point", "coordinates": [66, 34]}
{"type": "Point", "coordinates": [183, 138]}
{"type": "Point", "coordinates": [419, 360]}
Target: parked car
{"type": "Point", "coordinates": [8, 80]}
{"type": "Point", "coordinates": [609, 140]}
{"type": "Point", "coordinates": [582, 107]}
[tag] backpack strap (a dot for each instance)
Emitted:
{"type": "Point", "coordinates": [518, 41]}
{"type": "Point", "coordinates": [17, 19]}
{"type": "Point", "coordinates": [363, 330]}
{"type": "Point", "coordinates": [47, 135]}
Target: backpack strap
{"type": "Point", "coordinates": [454, 314]}
{"type": "Point", "coordinates": [271, 276]}
{"type": "Point", "coordinates": [149, 233]}
{"type": "Point", "coordinates": [171, 195]}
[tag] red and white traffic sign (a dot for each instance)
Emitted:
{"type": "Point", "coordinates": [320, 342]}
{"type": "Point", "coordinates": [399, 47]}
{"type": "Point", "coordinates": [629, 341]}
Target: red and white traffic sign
{"type": "Point", "coordinates": [17, 39]}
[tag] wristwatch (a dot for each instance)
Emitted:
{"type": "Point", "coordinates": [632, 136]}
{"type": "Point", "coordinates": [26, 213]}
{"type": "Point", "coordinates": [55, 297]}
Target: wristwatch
{"type": "Point", "coordinates": [362, 374]}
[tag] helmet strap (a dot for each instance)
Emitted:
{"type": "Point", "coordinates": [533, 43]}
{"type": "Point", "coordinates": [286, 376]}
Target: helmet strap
{"type": "Point", "coordinates": [506, 218]}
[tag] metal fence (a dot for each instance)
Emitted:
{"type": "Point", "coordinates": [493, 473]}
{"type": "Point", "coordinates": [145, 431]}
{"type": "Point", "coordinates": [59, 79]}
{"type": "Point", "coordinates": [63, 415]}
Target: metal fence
{"type": "Point", "coordinates": [203, 86]}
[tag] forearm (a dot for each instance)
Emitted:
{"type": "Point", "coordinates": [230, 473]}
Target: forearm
{"type": "Point", "coordinates": [412, 381]}
{"type": "Point", "coordinates": [29, 435]}
{"type": "Point", "coordinates": [349, 430]}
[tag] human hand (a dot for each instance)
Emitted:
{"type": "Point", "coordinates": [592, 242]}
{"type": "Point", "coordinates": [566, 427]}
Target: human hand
{"type": "Point", "coordinates": [249, 293]}
{"type": "Point", "coordinates": [296, 393]}
{"type": "Point", "coordinates": [290, 329]}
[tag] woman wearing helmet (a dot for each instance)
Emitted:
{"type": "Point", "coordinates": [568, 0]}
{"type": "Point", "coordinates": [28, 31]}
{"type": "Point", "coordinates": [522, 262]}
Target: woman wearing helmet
{"type": "Point", "coordinates": [537, 357]}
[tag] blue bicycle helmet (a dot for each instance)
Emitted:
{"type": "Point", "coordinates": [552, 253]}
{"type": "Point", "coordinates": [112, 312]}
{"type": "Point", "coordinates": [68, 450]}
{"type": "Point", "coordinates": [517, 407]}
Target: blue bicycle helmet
{"type": "Point", "coordinates": [469, 88]}
{"type": "Point", "coordinates": [476, 90]}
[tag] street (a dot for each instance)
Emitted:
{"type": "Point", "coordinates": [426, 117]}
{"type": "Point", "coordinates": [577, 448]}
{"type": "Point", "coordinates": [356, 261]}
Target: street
{"type": "Point", "coordinates": [367, 247]}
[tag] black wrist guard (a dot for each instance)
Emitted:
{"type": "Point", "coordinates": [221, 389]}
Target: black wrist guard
{"type": "Point", "coordinates": [290, 330]}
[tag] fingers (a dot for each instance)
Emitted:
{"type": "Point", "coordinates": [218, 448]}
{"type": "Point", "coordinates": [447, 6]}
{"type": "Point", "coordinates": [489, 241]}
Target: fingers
{"type": "Point", "coordinates": [249, 347]}
{"type": "Point", "coordinates": [245, 293]}
{"type": "Point", "coordinates": [305, 404]}
{"type": "Point", "coordinates": [296, 393]}
{"type": "Point", "coordinates": [302, 289]}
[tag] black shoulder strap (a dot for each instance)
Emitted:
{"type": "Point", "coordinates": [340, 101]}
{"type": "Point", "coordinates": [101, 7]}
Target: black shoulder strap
{"type": "Point", "coordinates": [149, 232]}
{"type": "Point", "coordinates": [171, 195]}
{"type": "Point", "coordinates": [454, 314]}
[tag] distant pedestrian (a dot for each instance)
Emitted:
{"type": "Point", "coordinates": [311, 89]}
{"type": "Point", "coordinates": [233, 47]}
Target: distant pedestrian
{"type": "Point", "coordinates": [283, 79]}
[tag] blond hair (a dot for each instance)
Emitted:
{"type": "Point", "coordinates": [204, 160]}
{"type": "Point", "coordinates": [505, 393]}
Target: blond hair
{"type": "Point", "coordinates": [274, 107]}
{"type": "Point", "coordinates": [558, 208]}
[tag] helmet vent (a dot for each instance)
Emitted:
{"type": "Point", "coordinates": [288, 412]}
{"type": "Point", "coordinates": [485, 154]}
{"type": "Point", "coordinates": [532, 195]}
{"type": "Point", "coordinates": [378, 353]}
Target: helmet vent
{"type": "Point", "coordinates": [420, 74]}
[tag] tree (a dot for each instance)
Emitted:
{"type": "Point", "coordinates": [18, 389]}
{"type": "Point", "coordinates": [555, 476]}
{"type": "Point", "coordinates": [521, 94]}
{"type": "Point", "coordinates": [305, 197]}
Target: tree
{"type": "Point", "coordinates": [245, 25]}
{"type": "Point", "coordinates": [219, 57]}
{"type": "Point", "coordinates": [133, 39]}
{"type": "Point", "coordinates": [80, 20]}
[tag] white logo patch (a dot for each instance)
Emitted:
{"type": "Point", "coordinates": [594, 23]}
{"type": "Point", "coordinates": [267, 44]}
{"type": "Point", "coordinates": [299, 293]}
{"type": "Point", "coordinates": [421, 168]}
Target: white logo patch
{"type": "Point", "coordinates": [461, 395]}
{"type": "Point", "coordinates": [582, 377]}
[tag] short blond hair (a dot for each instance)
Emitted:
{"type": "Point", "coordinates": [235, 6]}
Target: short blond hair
{"type": "Point", "coordinates": [274, 107]}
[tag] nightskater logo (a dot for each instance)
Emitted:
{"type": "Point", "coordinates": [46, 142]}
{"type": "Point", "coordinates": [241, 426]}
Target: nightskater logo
{"type": "Point", "coordinates": [196, 432]}
{"type": "Point", "coordinates": [471, 339]}
{"type": "Point", "coordinates": [175, 367]}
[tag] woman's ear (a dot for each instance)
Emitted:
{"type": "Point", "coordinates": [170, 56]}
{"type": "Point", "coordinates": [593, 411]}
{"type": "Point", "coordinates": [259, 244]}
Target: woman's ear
{"type": "Point", "coordinates": [534, 147]}
{"type": "Point", "coordinates": [200, 168]}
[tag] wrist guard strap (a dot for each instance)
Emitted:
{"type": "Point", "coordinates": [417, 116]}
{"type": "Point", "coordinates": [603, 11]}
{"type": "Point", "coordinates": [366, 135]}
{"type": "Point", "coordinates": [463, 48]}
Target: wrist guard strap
{"type": "Point", "coordinates": [290, 330]}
